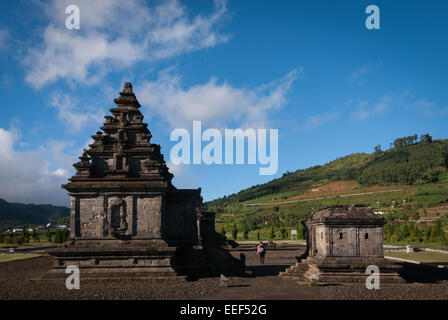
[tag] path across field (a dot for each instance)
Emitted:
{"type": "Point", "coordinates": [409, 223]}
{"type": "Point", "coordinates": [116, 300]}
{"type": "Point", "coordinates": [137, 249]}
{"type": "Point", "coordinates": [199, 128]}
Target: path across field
{"type": "Point", "coordinates": [319, 198]}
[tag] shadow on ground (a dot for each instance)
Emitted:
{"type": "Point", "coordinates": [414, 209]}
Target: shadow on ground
{"type": "Point", "coordinates": [265, 270]}
{"type": "Point", "coordinates": [421, 274]}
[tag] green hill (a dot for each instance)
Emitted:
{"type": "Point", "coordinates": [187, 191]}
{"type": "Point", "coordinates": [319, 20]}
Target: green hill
{"type": "Point", "coordinates": [15, 214]}
{"type": "Point", "coordinates": [408, 183]}
{"type": "Point", "coordinates": [408, 163]}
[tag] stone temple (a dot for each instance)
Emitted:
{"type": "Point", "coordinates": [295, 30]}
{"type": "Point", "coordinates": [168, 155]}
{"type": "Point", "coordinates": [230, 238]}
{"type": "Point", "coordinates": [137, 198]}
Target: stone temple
{"type": "Point", "coordinates": [127, 219]}
{"type": "Point", "coordinates": [342, 242]}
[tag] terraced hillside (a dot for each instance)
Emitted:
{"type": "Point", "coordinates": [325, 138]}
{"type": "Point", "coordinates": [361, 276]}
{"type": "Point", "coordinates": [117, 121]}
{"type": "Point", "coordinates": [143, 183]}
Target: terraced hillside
{"type": "Point", "coordinates": [414, 192]}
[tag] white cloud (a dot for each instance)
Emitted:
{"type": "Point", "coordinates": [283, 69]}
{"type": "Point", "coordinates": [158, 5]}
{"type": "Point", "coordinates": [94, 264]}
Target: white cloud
{"type": "Point", "coordinates": [60, 173]}
{"type": "Point", "coordinates": [424, 107]}
{"type": "Point", "coordinates": [33, 176]}
{"type": "Point", "coordinates": [360, 114]}
{"type": "Point", "coordinates": [74, 121]}
{"type": "Point", "coordinates": [317, 120]}
{"type": "Point", "coordinates": [4, 38]}
{"type": "Point", "coordinates": [184, 177]}
{"type": "Point", "coordinates": [383, 104]}
{"type": "Point", "coordinates": [7, 81]}
{"type": "Point", "coordinates": [215, 104]}
{"type": "Point", "coordinates": [364, 71]}
{"type": "Point", "coordinates": [115, 34]}
{"type": "Point", "coordinates": [363, 110]}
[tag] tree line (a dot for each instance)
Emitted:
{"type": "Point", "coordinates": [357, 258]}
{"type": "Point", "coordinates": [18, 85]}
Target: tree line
{"type": "Point", "coordinates": [415, 232]}
{"type": "Point", "coordinates": [59, 236]}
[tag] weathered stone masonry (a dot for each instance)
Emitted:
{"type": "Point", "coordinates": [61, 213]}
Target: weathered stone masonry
{"type": "Point", "coordinates": [127, 219]}
{"type": "Point", "coordinates": [342, 242]}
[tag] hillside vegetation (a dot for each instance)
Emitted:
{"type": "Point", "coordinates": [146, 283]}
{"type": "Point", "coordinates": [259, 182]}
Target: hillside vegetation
{"type": "Point", "coordinates": [408, 183]}
{"type": "Point", "coordinates": [409, 163]}
{"type": "Point", "coordinates": [15, 214]}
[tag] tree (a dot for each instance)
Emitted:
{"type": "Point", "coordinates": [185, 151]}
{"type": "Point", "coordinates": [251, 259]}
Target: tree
{"type": "Point", "coordinates": [35, 236]}
{"type": "Point", "coordinates": [415, 215]}
{"type": "Point", "coordinates": [234, 232]}
{"type": "Point", "coordinates": [64, 235]}
{"type": "Point", "coordinates": [378, 149]}
{"type": "Point", "coordinates": [437, 233]}
{"type": "Point", "coordinates": [19, 239]}
{"type": "Point", "coordinates": [415, 138]}
{"type": "Point", "coordinates": [246, 232]}
{"type": "Point", "coordinates": [26, 236]}
{"type": "Point", "coordinates": [405, 232]}
{"type": "Point", "coordinates": [48, 235]}
{"type": "Point", "coordinates": [283, 232]}
{"type": "Point", "coordinates": [427, 234]}
{"type": "Point", "coordinates": [272, 234]}
{"type": "Point", "coordinates": [426, 138]}
{"type": "Point", "coordinates": [223, 231]}
{"type": "Point", "coordinates": [258, 235]}
{"type": "Point", "coordinates": [400, 142]}
{"type": "Point", "coordinates": [58, 236]}
{"type": "Point", "coordinates": [301, 232]}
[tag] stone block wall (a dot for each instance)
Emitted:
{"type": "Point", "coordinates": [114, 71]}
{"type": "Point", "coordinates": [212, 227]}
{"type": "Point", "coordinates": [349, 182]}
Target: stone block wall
{"type": "Point", "coordinates": [149, 216]}
{"type": "Point", "coordinates": [371, 241]}
{"type": "Point", "coordinates": [90, 211]}
{"type": "Point", "coordinates": [91, 216]}
{"type": "Point", "coordinates": [180, 222]}
{"type": "Point", "coordinates": [347, 241]}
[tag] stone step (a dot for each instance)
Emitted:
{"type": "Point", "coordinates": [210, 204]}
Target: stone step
{"type": "Point", "coordinates": [294, 272]}
{"type": "Point", "coordinates": [289, 277]}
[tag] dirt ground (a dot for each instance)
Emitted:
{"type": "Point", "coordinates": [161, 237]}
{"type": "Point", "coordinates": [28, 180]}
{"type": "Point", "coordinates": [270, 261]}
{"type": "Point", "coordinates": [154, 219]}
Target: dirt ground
{"type": "Point", "coordinates": [262, 282]}
{"type": "Point", "coordinates": [341, 188]}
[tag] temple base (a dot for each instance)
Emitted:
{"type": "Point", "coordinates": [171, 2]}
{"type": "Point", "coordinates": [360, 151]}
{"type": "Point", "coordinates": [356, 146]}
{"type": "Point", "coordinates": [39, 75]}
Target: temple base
{"type": "Point", "coordinates": [346, 270]}
{"type": "Point", "coordinates": [139, 259]}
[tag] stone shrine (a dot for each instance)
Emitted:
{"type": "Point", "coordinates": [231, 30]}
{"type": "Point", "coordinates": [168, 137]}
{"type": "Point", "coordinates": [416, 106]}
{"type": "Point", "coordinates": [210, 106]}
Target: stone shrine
{"type": "Point", "coordinates": [342, 242]}
{"type": "Point", "coordinates": [127, 219]}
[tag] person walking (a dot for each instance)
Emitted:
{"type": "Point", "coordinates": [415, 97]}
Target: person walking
{"type": "Point", "coordinates": [261, 251]}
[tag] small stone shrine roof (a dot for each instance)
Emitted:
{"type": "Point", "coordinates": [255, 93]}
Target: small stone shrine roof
{"type": "Point", "coordinates": [346, 214]}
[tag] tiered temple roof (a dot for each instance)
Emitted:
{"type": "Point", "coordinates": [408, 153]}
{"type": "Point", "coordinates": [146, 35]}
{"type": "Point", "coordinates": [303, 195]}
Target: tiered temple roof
{"type": "Point", "coordinates": [122, 152]}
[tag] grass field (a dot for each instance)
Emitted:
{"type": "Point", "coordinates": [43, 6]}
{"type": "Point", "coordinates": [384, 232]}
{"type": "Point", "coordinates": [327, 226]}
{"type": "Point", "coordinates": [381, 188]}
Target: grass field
{"type": "Point", "coordinates": [26, 245]}
{"type": "Point", "coordinates": [14, 257]}
{"type": "Point", "coordinates": [422, 256]}
{"type": "Point", "coordinates": [397, 200]}
{"type": "Point", "coordinates": [276, 241]}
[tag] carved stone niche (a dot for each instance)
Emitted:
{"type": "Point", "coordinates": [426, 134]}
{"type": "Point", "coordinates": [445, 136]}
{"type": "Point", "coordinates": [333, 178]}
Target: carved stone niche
{"type": "Point", "coordinates": [117, 222]}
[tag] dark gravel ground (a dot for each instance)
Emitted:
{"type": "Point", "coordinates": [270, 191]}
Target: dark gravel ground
{"type": "Point", "coordinates": [410, 291]}
{"type": "Point", "coordinates": [263, 284]}
{"type": "Point", "coordinates": [14, 284]}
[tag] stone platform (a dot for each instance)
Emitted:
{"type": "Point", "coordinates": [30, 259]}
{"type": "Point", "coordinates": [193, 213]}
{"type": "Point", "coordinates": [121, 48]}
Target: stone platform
{"type": "Point", "coordinates": [342, 241]}
{"type": "Point", "coordinates": [114, 258]}
{"type": "Point", "coordinates": [349, 270]}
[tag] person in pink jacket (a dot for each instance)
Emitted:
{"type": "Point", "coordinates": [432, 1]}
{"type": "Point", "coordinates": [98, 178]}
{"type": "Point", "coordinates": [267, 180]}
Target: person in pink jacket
{"type": "Point", "coordinates": [261, 251]}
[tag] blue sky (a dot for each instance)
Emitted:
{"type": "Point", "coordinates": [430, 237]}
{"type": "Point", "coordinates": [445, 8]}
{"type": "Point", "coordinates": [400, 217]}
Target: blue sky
{"type": "Point", "coordinates": [310, 69]}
